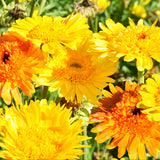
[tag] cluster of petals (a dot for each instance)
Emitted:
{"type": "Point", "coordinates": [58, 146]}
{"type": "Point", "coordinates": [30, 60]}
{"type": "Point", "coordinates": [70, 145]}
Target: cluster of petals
{"type": "Point", "coordinates": [120, 118]}
{"type": "Point", "coordinates": [135, 42]}
{"type": "Point", "coordinates": [77, 74]}
{"type": "Point", "coordinates": [14, 74]}
{"type": "Point", "coordinates": [150, 93]}
{"type": "Point", "coordinates": [50, 33]}
{"type": "Point", "coordinates": [29, 132]}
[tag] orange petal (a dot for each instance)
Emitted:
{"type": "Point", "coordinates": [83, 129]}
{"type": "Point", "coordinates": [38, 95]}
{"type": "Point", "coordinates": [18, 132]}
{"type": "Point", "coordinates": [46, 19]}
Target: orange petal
{"type": "Point", "coordinates": [16, 95]}
{"type": "Point", "coordinates": [122, 146]}
{"type": "Point", "coordinates": [141, 151]}
{"type": "Point", "coordinates": [133, 148]}
{"type": "Point", "coordinates": [6, 93]}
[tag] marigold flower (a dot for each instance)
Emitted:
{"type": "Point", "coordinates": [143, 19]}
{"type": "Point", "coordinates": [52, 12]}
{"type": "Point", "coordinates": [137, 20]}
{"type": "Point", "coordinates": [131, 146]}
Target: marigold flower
{"type": "Point", "coordinates": [121, 120]}
{"type": "Point", "coordinates": [146, 2]}
{"type": "Point", "coordinates": [20, 60]}
{"type": "Point", "coordinates": [138, 10]}
{"type": "Point", "coordinates": [104, 38]}
{"type": "Point", "coordinates": [40, 131]}
{"type": "Point", "coordinates": [138, 42]}
{"type": "Point", "coordinates": [102, 4]}
{"type": "Point", "coordinates": [150, 93]}
{"type": "Point", "coordinates": [77, 74]}
{"type": "Point", "coordinates": [53, 33]}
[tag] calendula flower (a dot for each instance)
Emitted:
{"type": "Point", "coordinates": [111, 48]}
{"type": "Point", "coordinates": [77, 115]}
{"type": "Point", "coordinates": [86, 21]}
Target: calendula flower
{"type": "Point", "coordinates": [138, 10]}
{"type": "Point", "coordinates": [129, 127]}
{"type": "Point", "coordinates": [102, 4]}
{"type": "Point", "coordinates": [20, 1]}
{"type": "Point", "coordinates": [53, 33]}
{"type": "Point", "coordinates": [104, 38]}
{"type": "Point", "coordinates": [151, 97]}
{"type": "Point", "coordinates": [40, 131]}
{"type": "Point", "coordinates": [77, 74]}
{"type": "Point", "coordinates": [145, 2]}
{"type": "Point", "coordinates": [20, 60]}
{"type": "Point", "coordinates": [11, 12]}
{"type": "Point", "coordinates": [87, 8]}
{"type": "Point", "coordinates": [140, 42]}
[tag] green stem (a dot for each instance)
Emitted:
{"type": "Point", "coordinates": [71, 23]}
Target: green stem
{"type": "Point", "coordinates": [32, 8]}
{"type": "Point", "coordinates": [104, 150]}
{"type": "Point", "coordinates": [140, 77]}
{"type": "Point", "coordinates": [3, 2]}
{"type": "Point", "coordinates": [96, 24]}
{"type": "Point", "coordinates": [85, 143]}
{"type": "Point", "coordinates": [41, 7]}
{"type": "Point", "coordinates": [44, 91]}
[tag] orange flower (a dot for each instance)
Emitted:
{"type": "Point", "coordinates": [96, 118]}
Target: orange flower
{"type": "Point", "coordinates": [19, 60]}
{"type": "Point", "coordinates": [122, 120]}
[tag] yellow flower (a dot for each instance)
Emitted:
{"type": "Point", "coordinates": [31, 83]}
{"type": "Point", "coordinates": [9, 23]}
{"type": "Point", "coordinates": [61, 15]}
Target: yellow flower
{"type": "Point", "coordinates": [20, 1]}
{"type": "Point", "coordinates": [140, 42]}
{"type": "Point", "coordinates": [104, 38]}
{"type": "Point", "coordinates": [145, 2]}
{"type": "Point", "coordinates": [53, 33]}
{"type": "Point", "coordinates": [151, 97]}
{"type": "Point", "coordinates": [20, 60]}
{"type": "Point", "coordinates": [77, 74]}
{"type": "Point", "coordinates": [40, 131]}
{"type": "Point", "coordinates": [120, 119]}
{"type": "Point", "coordinates": [139, 11]}
{"type": "Point", "coordinates": [102, 4]}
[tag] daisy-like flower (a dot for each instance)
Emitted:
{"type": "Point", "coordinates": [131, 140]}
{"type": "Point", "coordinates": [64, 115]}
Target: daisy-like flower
{"type": "Point", "coordinates": [40, 131]}
{"type": "Point", "coordinates": [53, 33]}
{"type": "Point", "coordinates": [77, 74]}
{"type": "Point", "coordinates": [140, 42]}
{"type": "Point", "coordinates": [104, 38]}
{"type": "Point", "coordinates": [20, 60]}
{"type": "Point", "coordinates": [150, 93]}
{"type": "Point", "coordinates": [102, 4]}
{"type": "Point", "coordinates": [138, 10]}
{"type": "Point", "coordinates": [121, 120]}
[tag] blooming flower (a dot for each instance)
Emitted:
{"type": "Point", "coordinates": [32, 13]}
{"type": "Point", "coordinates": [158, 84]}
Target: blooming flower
{"type": "Point", "coordinates": [53, 33]}
{"type": "Point", "coordinates": [102, 4]}
{"type": "Point", "coordinates": [138, 10]}
{"type": "Point", "coordinates": [77, 74]}
{"type": "Point", "coordinates": [20, 1]}
{"type": "Point", "coordinates": [151, 97]}
{"type": "Point", "coordinates": [121, 120]}
{"type": "Point", "coordinates": [40, 131]}
{"type": "Point", "coordinates": [20, 60]}
{"type": "Point", "coordinates": [138, 42]}
{"type": "Point", "coordinates": [104, 38]}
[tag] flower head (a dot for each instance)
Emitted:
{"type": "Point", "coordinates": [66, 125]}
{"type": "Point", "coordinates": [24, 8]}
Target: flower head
{"type": "Point", "coordinates": [105, 38]}
{"type": "Point", "coordinates": [140, 42]}
{"type": "Point", "coordinates": [77, 74]}
{"type": "Point", "coordinates": [102, 4]}
{"type": "Point", "coordinates": [138, 10]}
{"type": "Point", "coordinates": [53, 33]}
{"type": "Point", "coordinates": [19, 61]}
{"type": "Point", "coordinates": [40, 131]}
{"type": "Point", "coordinates": [150, 93]}
{"type": "Point", "coordinates": [129, 127]}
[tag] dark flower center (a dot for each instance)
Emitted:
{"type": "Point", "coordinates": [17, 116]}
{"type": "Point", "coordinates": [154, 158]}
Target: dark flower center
{"type": "Point", "coordinates": [76, 65]}
{"type": "Point", "coordinates": [5, 57]}
{"type": "Point", "coordinates": [136, 111]}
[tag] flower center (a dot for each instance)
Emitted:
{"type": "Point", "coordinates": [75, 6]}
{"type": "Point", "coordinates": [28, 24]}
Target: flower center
{"type": "Point", "coordinates": [76, 65]}
{"type": "Point", "coordinates": [141, 36]}
{"type": "Point", "coordinates": [43, 32]}
{"type": "Point", "coordinates": [136, 111]}
{"type": "Point", "coordinates": [39, 142]}
{"type": "Point", "coordinates": [6, 56]}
